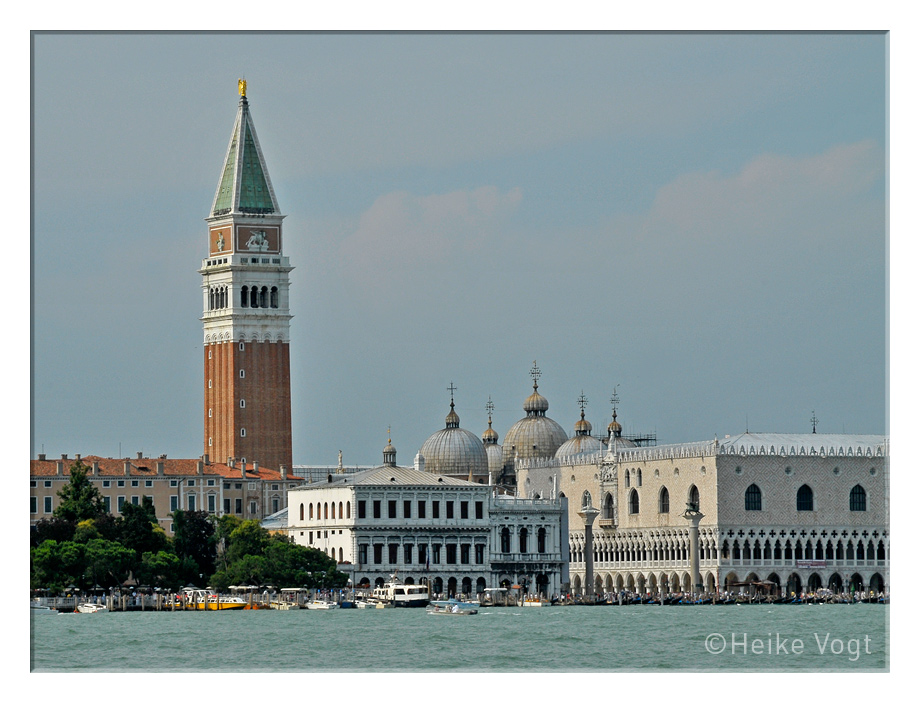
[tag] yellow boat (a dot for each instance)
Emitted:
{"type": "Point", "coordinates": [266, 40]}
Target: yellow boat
{"type": "Point", "coordinates": [202, 599]}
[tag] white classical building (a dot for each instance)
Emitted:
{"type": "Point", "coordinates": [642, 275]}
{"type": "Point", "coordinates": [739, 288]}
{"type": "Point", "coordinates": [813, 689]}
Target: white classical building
{"type": "Point", "coordinates": [804, 511]}
{"type": "Point", "coordinates": [455, 534]}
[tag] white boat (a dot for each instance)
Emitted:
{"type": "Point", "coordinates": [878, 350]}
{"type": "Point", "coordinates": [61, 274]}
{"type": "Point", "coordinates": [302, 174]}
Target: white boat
{"type": "Point", "coordinates": [322, 605]}
{"type": "Point", "coordinates": [402, 595]}
{"type": "Point", "coordinates": [39, 609]}
{"type": "Point", "coordinates": [92, 608]}
{"type": "Point", "coordinates": [283, 605]}
{"type": "Point", "coordinates": [452, 606]}
{"type": "Point", "coordinates": [534, 602]}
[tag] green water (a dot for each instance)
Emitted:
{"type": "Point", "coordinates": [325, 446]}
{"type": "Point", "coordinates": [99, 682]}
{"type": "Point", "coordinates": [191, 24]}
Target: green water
{"type": "Point", "coordinates": [559, 639]}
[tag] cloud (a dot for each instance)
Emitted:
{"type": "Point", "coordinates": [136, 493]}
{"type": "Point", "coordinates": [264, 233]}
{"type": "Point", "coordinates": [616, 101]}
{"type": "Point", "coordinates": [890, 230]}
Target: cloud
{"type": "Point", "coordinates": [771, 194]}
{"type": "Point", "coordinates": [405, 234]}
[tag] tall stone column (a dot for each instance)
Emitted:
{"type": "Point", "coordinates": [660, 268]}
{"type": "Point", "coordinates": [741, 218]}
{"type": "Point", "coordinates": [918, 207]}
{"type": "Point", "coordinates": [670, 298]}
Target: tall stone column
{"type": "Point", "coordinates": [693, 515]}
{"type": "Point", "coordinates": [589, 514]}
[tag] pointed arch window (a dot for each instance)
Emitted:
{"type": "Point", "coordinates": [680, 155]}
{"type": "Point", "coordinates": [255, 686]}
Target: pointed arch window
{"type": "Point", "coordinates": [634, 502]}
{"type": "Point", "coordinates": [753, 498]}
{"type": "Point", "coordinates": [693, 498]}
{"type": "Point", "coordinates": [804, 499]}
{"type": "Point", "coordinates": [858, 499]}
{"type": "Point", "coordinates": [664, 501]}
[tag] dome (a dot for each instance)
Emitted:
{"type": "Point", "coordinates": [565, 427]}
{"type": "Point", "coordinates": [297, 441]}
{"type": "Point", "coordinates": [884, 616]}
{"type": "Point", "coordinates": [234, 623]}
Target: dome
{"type": "Point", "coordinates": [454, 451]}
{"type": "Point", "coordinates": [582, 443]}
{"type": "Point", "coordinates": [494, 454]}
{"type": "Point", "coordinates": [389, 454]}
{"type": "Point", "coordinates": [534, 436]}
{"type": "Point", "coordinates": [615, 441]}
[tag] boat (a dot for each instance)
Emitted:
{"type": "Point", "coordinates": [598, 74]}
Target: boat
{"type": "Point", "coordinates": [205, 599]}
{"type": "Point", "coordinates": [452, 606]}
{"type": "Point", "coordinates": [401, 595]}
{"type": "Point", "coordinates": [283, 605]}
{"type": "Point", "coordinates": [39, 609]}
{"type": "Point", "coordinates": [493, 597]}
{"type": "Point", "coordinates": [322, 605]}
{"type": "Point", "coordinates": [534, 601]}
{"type": "Point", "coordinates": [92, 608]}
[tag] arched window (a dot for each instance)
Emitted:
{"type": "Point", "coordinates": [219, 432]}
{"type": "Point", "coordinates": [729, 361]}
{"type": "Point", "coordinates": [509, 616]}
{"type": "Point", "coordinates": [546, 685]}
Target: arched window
{"type": "Point", "coordinates": [274, 297]}
{"type": "Point", "coordinates": [693, 498]}
{"type": "Point", "coordinates": [541, 540]}
{"type": "Point", "coordinates": [523, 540]}
{"type": "Point", "coordinates": [858, 499]}
{"type": "Point", "coordinates": [311, 511]}
{"type": "Point", "coordinates": [340, 510]}
{"type": "Point", "coordinates": [348, 510]}
{"type": "Point", "coordinates": [664, 501]}
{"type": "Point", "coordinates": [639, 478]}
{"type": "Point", "coordinates": [752, 497]}
{"type": "Point", "coordinates": [626, 476]}
{"type": "Point", "coordinates": [263, 297]}
{"type": "Point", "coordinates": [244, 297]}
{"type": "Point", "coordinates": [506, 540]}
{"type": "Point", "coordinates": [326, 511]}
{"type": "Point", "coordinates": [804, 499]}
{"type": "Point", "coordinates": [634, 502]}
{"type": "Point", "coordinates": [253, 297]}
{"type": "Point", "coordinates": [301, 512]}
{"type": "Point", "coordinates": [608, 507]}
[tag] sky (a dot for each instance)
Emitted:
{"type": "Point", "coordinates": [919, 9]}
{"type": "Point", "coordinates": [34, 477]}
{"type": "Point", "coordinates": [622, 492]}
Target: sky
{"type": "Point", "coordinates": [697, 221]}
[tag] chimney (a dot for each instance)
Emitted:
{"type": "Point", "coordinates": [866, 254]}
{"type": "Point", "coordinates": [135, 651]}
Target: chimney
{"type": "Point", "coordinates": [41, 457]}
{"type": "Point", "coordinates": [95, 468]}
{"type": "Point", "coordinates": [230, 462]}
{"type": "Point", "coordinates": [200, 468]}
{"type": "Point", "coordinates": [207, 460]}
{"type": "Point", "coordinates": [160, 471]}
{"type": "Point", "coordinates": [127, 467]}
{"type": "Point", "coordinates": [255, 467]}
{"type": "Point", "coordinates": [77, 457]}
{"type": "Point", "coordinates": [140, 455]}
{"type": "Point", "coordinates": [60, 468]}
{"type": "Point", "coordinates": [284, 474]}
{"type": "Point", "coordinates": [63, 457]}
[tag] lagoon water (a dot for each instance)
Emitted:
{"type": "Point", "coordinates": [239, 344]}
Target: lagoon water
{"type": "Point", "coordinates": [804, 638]}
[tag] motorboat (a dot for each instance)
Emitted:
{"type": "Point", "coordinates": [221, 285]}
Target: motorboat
{"type": "Point", "coordinates": [402, 595]}
{"type": "Point", "coordinates": [534, 601]}
{"type": "Point", "coordinates": [92, 608]}
{"type": "Point", "coordinates": [39, 609]}
{"type": "Point", "coordinates": [452, 606]}
{"type": "Point", "coordinates": [322, 605]}
{"type": "Point", "coordinates": [206, 599]}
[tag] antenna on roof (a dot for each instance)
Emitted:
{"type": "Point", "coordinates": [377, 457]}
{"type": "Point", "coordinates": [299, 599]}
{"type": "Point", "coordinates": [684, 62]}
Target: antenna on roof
{"type": "Point", "coordinates": [814, 423]}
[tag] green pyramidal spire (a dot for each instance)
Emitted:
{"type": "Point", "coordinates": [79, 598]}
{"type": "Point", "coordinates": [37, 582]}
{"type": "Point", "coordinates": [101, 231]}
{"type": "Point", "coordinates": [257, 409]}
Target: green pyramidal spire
{"type": "Point", "coordinates": [244, 183]}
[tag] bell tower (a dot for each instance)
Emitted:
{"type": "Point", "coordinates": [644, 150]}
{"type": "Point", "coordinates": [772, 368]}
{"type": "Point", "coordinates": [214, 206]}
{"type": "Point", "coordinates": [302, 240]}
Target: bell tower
{"type": "Point", "coordinates": [245, 286]}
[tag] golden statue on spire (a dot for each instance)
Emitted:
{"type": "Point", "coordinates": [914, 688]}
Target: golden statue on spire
{"type": "Point", "coordinates": [241, 86]}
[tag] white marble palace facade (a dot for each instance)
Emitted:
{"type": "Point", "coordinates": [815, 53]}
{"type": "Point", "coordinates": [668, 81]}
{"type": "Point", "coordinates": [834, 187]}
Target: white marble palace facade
{"type": "Point", "coordinates": [802, 510]}
{"type": "Point", "coordinates": [431, 528]}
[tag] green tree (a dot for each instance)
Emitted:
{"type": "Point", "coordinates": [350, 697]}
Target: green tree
{"type": "Point", "coordinates": [162, 569]}
{"type": "Point", "coordinates": [107, 563]}
{"type": "Point", "coordinates": [140, 530]}
{"type": "Point", "coordinates": [195, 543]}
{"type": "Point", "coordinates": [80, 499]}
{"type": "Point", "coordinates": [52, 528]}
{"type": "Point", "coordinates": [249, 538]}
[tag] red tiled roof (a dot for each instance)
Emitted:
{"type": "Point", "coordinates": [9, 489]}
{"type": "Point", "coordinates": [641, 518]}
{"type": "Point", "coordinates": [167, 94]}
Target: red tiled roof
{"type": "Point", "coordinates": [147, 466]}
